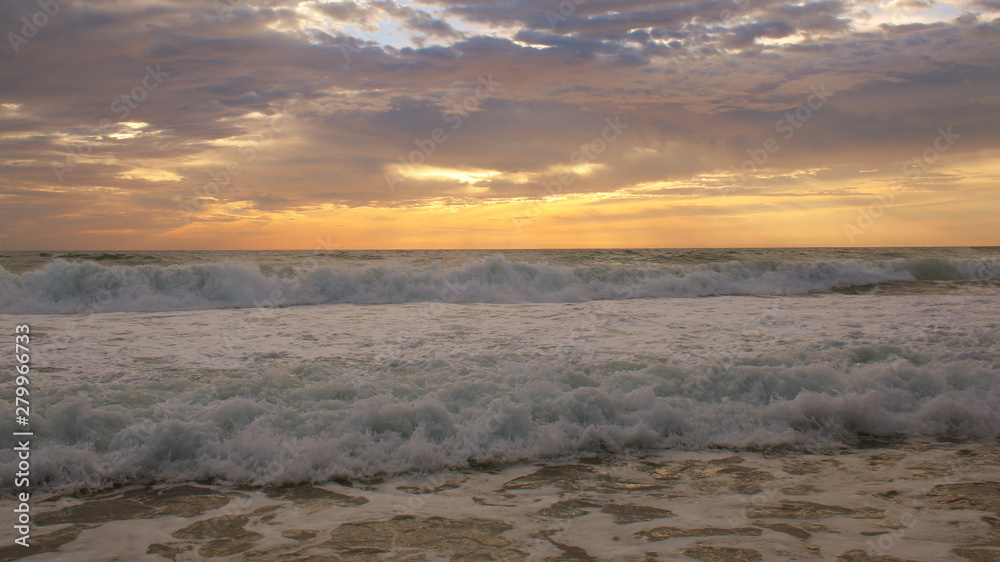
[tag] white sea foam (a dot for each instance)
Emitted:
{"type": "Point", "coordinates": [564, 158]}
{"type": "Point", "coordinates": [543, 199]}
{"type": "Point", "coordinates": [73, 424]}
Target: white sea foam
{"type": "Point", "coordinates": [322, 392]}
{"type": "Point", "coordinates": [69, 287]}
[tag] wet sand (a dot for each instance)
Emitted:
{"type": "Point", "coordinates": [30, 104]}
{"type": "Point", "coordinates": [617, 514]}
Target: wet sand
{"type": "Point", "coordinates": [883, 502]}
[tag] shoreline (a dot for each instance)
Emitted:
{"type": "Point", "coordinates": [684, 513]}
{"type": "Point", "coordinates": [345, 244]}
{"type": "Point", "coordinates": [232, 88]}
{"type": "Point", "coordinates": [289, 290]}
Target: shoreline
{"type": "Point", "coordinates": [906, 501]}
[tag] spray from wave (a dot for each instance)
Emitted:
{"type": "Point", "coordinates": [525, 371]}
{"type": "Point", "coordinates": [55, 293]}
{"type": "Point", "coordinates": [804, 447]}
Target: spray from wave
{"type": "Point", "coordinates": [70, 287]}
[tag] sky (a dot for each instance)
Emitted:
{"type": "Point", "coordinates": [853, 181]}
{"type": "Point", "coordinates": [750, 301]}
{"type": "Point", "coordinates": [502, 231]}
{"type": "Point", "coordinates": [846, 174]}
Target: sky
{"type": "Point", "coordinates": [283, 124]}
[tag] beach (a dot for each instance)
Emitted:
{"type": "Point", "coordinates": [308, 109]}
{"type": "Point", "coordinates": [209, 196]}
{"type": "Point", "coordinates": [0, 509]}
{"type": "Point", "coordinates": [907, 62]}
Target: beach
{"type": "Point", "coordinates": [885, 502]}
{"type": "Point", "coordinates": [845, 418]}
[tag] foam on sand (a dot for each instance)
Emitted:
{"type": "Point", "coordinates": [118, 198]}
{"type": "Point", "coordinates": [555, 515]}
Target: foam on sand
{"type": "Point", "coordinates": [903, 501]}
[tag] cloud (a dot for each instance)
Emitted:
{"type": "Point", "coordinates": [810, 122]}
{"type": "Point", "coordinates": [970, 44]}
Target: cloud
{"type": "Point", "coordinates": [358, 87]}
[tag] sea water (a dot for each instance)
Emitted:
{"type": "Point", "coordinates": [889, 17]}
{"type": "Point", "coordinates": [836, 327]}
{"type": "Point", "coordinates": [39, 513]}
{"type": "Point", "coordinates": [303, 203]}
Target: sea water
{"type": "Point", "coordinates": [284, 367]}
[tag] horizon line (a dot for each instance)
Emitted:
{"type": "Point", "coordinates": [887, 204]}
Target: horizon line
{"type": "Point", "coordinates": [971, 246]}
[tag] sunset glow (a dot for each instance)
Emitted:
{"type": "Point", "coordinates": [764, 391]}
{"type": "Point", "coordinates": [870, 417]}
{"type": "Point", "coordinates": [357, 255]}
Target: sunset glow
{"type": "Point", "coordinates": [442, 124]}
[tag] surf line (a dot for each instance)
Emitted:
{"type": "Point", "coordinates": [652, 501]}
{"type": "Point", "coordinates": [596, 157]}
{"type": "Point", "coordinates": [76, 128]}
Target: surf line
{"type": "Point", "coordinates": [22, 411]}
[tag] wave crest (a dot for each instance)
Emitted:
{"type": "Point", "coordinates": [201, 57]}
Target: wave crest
{"type": "Point", "coordinates": [72, 287]}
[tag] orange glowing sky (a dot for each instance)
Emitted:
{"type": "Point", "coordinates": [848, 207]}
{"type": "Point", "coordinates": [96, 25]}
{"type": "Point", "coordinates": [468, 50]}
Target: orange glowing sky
{"type": "Point", "coordinates": [280, 124]}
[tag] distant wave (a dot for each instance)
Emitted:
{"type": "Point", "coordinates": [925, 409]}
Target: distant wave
{"type": "Point", "coordinates": [70, 287]}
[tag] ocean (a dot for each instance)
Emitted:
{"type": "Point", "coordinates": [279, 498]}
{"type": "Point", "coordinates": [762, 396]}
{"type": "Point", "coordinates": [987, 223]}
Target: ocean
{"type": "Point", "coordinates": [277, 370]}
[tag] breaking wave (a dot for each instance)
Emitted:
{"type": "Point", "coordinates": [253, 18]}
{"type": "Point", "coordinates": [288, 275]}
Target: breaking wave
{"type": "Point", "coordinates": [282, 422]}
{"type": "Point", "coordinates": [71, 287]}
